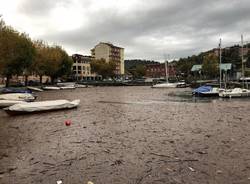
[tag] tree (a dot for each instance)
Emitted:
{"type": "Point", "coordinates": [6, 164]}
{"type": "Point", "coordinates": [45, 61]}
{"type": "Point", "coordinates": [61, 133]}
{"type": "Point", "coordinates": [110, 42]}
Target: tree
{"type": "Point", "coordinates": [56, 62]}
{"type": "Point", "coordinates": [138, 71]}
{"type": "Point", "coordinates": [103, 68]}
{"type": "Point", "coordinates": [16, 53]}
{"type": "Point", "coordinates": [210, 66]}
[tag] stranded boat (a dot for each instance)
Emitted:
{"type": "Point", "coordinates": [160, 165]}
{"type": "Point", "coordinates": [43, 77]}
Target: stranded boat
{"type": "Point", "coordinates": [50, 88]}
{"type": "Point", "coordinates": [41, 106]}
{"type": "Point", "coordinates": [236, 92]}
{"type": "Point", "coordinates": [165, 85]}
{"type": "Point", "coordinates": [7, 103]}
{"type": "Point", "coordinates": [207, 91]}
{"type": "Point", "coordinates": [34, 89]}
{"type": "Point", "coordinates": [18, 96]}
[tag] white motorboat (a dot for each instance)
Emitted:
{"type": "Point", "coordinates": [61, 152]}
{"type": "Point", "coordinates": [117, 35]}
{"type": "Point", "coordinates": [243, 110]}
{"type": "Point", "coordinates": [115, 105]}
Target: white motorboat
{"type": "Point", "coordinates": [80, 86]}
{"type": "Point", "coordinates": [165, 85]}
{"type": "Point", "coordinates": [34, 88]}
{"type": "Point", "coordinates": [18, 96]}
{"type": "Point", "coordinates": [51, 88]}
{"type": "Point", "coordinates": [41, 106]}
{"type": "Point", "coordinates": [236, 92]}
{"type": "Point", "coordinates": [61, 84]}
{"type": "Point", "coordinates": [7, 103]}
{"type": "Point", "coordinates": [67, 87]}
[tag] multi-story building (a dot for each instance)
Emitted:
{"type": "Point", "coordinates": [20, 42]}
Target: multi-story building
{"type": "Point", "coordinates": [109, 52]}
{"type": "Point", "coordinates": [158, 70]}
{"type": "Point", "coordinates": [81, 67]}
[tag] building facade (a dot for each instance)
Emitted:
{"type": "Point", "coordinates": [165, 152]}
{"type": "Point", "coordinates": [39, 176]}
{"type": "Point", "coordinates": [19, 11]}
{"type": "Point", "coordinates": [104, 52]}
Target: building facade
{"type": "Point", "coordinates": [81, 67]}
{"type": "Point", "coordinates": [109, 52]}
{"type": "Point", "coordinates": [158, 70]}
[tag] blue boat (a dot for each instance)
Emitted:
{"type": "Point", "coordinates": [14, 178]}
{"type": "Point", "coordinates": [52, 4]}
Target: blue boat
{"type": "Point", "coordinates": [206, 91]}
{"type": "Point", "coordinates": [14, 90]}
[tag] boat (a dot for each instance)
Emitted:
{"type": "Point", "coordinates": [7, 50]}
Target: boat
{"type": "Point", "coordinates": [34, 89]}
{"type": "Point", "coordinates": [80, 86]}
{"type": "Point", "coordinates": [236, 92]}
{"type": "Point", "coordinates": [207, 91]}
{"type": "Point", "coordinates": [18, 96]}
{"type": "Point", "coordinates": [41, 106]}
{"type": "Point", "coordinates": [7, 103]}
{"type": "Point", "coordinates": [50, 88]}
{"type": "Point", "coordinates": [61, 84]}
{"type": "Point", "coordinates": [67, 87]}
{"type": "Point", "coordinates": [166, 84]}
{"type": "Point", "coordinates": [14, 90]}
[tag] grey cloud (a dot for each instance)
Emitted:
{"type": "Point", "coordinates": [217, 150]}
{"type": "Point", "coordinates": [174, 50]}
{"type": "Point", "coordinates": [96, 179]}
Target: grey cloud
{"type": "Point", "coordinates": [199, 21]}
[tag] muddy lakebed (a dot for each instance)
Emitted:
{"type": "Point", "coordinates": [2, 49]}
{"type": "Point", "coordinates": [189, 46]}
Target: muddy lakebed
{"type": "Point", "coordinates": [128, 135]}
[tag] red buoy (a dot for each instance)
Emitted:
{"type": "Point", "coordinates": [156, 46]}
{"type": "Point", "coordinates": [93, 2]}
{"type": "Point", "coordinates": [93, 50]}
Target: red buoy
{"type": "Point", "coordinates": [68, 122]}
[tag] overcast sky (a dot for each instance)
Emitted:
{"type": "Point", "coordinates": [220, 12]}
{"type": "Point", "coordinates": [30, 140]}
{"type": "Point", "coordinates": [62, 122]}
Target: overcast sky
{"type": "Point", "coordinates": [147, 29]}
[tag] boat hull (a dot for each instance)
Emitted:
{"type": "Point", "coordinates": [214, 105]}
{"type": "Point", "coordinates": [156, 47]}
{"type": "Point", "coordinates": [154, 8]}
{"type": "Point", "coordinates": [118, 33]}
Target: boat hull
{"type": "Point", "coordinates": [45, 106]}
{"type": "Point", "coordinates": [165, 85]}
{"type": "Point", "coordinates": [235, 93]}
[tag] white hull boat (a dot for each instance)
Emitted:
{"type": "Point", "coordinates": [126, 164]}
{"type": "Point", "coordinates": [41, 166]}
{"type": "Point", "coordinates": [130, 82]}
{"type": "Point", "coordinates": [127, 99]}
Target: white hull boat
{"type": "Point", "coordinates": [51, 88]}
{"type": "Point", "coordinates": [236, 92]}
{"type": "Point", "coordinates": [165, 85]}
{"type": "Point", "coordinates": [80, 86]}
{"type": "Point", "coordinates": [18, 96]}
{"type": "Point", "coordinates": [41, 106]}
{"type": "Point", "coordinates": [61, 84]}
{"type": "Point", "coordinates": [67, 87]}
{"type": "Point", "coordinates": [7, 103]}
{"type": "Point", "coordinates": [34, 88]}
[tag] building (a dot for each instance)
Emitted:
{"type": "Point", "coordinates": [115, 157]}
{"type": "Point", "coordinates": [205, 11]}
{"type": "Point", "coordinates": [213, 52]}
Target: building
{"type": "Point", "coordinates": [109, 52]}
{"type": "Point", "coordinates": [81, 67]}
{"type": "Point", "coordinates": [158, 70]}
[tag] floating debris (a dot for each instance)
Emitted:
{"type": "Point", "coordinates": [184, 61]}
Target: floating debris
{"type": "Point", "coordinates": [191, 169]}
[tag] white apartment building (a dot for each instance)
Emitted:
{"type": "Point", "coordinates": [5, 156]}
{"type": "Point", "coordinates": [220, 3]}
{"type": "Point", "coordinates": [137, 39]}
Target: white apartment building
{"type": "Point", "coordinates": [109, 52]}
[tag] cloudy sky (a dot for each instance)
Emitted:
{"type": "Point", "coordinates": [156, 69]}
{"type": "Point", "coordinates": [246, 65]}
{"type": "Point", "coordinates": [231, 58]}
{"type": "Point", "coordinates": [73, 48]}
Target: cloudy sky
{"type": "Point", "coordinates": [147, 29]}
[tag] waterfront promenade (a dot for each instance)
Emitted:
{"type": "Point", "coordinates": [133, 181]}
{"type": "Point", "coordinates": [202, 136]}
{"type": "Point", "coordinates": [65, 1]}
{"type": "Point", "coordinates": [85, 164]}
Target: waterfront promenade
{"type": "Point", "coordinates": [128, 135]}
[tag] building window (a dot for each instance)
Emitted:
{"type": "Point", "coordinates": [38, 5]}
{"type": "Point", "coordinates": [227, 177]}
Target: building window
{"type": "Point", "coordinates": [74, 67]}
{"type": "Point", "coordinates": [79, 68]}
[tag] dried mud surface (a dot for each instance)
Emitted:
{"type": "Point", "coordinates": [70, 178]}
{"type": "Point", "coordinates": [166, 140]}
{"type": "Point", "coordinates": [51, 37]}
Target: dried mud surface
{"type": "Point", "coordinates": [128, 135]}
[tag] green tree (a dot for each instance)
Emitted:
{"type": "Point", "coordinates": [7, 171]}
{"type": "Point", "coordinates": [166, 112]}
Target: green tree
{"type": "Point", "coordinates": [16, 53]}
{"type": "Point", "coordinates": [138, 70]}
{"type": "Point", "coordinates": [210, 66]}
{"type": "Point", "coordinates": [56, 63]}
{"type": "Point", "coordinates": [103, 68]}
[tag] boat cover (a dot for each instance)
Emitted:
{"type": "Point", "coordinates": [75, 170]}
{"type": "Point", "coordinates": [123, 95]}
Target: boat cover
{"type": "Point", "coordinates": [17, 96]}
{"type": "Point", "coordinates": [43, 106]}
{"type": "Point", "coordinates": [13, 90]}
{"type": "Point", "coordinates": [7, 103]}
{"type": "Point", "coordinates": [202, 89]}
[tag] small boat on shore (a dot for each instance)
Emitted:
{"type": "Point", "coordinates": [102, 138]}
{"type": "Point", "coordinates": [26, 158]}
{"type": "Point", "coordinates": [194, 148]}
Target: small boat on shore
{"type": "Point", "coordinates": [7, 103]}
{"type": "Point", "coordinates": [18, 97]}
{"type": "Point", "coordinates": [207, 91]}
{"type": "Point", "coordinates": [165, 85]}
{"type": "Point", "coordinates": [80, 86]}
{"type": "Point", "coordinates": [14, 90]}
{"type": "Point", "coordinates": [34, 89]}
{"type": "Point", "coordinates": [50, 88]}
{"type": "Point", "coordinates": [234, 93]}
{"type": "Point", "coordinates": [42, 106]}
{"type": "Point", "coordinates": [67, 87]}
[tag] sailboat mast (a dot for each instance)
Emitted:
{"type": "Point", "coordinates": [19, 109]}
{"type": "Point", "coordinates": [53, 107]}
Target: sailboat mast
{"type": "Point", "coordinates": [242, 61]}
{"type": "Point", "coordinates": [166, 68]}
{"type": "Point", "coordinates": [220, 61]}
